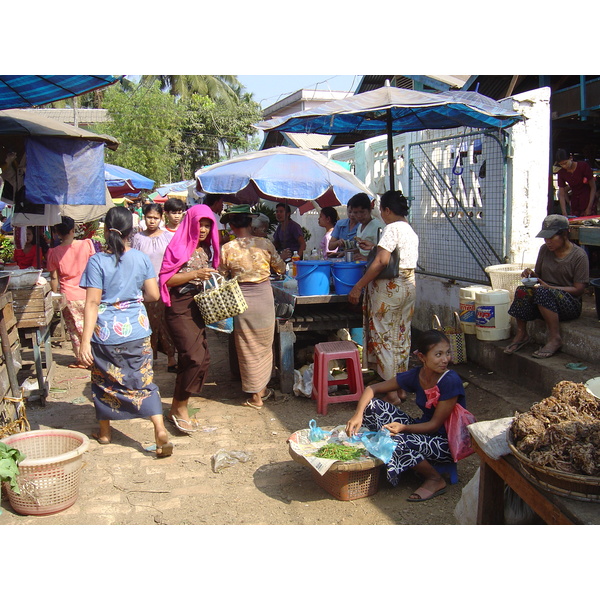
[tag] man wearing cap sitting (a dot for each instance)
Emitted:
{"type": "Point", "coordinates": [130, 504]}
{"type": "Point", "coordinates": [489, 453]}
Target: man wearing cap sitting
{"type": "Point", "coordinates": [562, 272]}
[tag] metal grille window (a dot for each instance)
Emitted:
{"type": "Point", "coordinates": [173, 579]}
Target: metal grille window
{"type": "Point", "coordinates": [457, 187]}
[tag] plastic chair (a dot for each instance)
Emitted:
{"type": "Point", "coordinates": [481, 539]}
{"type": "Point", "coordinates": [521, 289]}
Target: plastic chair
{"type": "Point", "coordinates": [448, 469]}
{"type": "Point", "coordinates": [326, 352]}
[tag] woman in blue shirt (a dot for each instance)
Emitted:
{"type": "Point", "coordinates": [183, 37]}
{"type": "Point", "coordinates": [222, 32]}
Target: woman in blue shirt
{"type": "Point", "coordinates": [116, 332]}
{"type": "Point", "coordinates": [437, 390]}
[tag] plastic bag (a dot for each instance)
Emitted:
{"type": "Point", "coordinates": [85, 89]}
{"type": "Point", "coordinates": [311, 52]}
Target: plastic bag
{"type": "Point", "coordinates": [224, 326]}
{"type": "Point", "coordinates": [459, 439]}
{"type": "Point", "coordinates": [316, 434]}
{"type": "Point", "coordinates": [465, 512]}
{"type": "Point", "coordinates": [223, 459]}
{"type": "Point", "coordinates": [380, 444]}
{"type": "Point", "coordinates": [303, 380]}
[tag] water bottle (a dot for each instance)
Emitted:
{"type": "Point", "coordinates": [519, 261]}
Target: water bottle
{"type": "Point", "coordinates": [295, 257]}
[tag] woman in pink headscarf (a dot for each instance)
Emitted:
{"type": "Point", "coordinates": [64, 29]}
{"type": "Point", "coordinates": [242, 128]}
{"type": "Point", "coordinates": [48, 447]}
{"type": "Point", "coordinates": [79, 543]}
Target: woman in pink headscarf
{"type": "Point", "coordinates": [190, 259]}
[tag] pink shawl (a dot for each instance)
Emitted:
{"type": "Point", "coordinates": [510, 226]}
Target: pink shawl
{"type": "Point", "coordinates": [183, 244]}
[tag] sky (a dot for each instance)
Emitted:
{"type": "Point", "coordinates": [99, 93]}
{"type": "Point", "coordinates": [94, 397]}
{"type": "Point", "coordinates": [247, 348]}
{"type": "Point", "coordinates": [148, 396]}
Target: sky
{"type": "Point", "coordinates": [269, 89]}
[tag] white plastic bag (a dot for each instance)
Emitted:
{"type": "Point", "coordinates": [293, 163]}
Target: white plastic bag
{"type": "Point", "coordinates": [491, 436]}
{"type": "Point", "coordinates": [466, 508]}
{"type": "Point", "coordinates": [303, 379]}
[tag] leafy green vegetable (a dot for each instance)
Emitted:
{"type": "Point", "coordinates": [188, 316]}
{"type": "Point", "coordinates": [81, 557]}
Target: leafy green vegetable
{"type": "Point", "coordinates": [339, 452]}
{"type": "Point", "coordinates": [9, 459]}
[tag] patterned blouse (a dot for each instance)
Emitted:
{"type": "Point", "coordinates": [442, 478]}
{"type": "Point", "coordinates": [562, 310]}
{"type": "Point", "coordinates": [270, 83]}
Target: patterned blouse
{"type": "Point", "coordinates": [198, 260]}
{"type": "Point", "coordinates": [250, 259]}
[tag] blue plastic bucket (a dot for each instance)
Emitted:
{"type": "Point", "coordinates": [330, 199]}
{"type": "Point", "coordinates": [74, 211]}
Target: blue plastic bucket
{"type": "Point", "coordinates": [346, 275]}
{"type": "Point", "coordinates": [313, 277]}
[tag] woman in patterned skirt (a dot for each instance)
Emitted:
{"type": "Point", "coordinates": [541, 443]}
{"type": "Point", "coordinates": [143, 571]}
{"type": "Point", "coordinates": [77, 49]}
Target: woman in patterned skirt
{"type": "Point", "coordinates": [116, 333]}
{"type": "Point", "coordinates": [389, 303]}
{"type": "Point", "coordinates": [422, 440]}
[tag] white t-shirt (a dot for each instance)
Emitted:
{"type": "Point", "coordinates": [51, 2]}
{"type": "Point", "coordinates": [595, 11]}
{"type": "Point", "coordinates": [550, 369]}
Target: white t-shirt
{"type": "Point", "coordinates": [369, 232]}
{"type": "Point", "coordinates": [402, 236]}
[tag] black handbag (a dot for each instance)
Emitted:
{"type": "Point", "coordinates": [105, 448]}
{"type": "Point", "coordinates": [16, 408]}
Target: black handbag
{"type": "Point", "coordinates": [392, 269]}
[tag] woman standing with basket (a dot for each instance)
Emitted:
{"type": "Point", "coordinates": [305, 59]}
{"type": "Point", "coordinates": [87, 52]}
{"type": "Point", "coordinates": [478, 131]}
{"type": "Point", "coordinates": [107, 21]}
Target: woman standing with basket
{"type": "Point", "coordinates": [190, 259]}
{"type": "Point", "coordinates": [116, 332]}
{"type": "Point", "coordinates": [389, 303]}
{"type": "Point", "coordinates": [251, 259]}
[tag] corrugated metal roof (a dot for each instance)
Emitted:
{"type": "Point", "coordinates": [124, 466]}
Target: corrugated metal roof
{"type": "Point", "coordinates": [67, 115]}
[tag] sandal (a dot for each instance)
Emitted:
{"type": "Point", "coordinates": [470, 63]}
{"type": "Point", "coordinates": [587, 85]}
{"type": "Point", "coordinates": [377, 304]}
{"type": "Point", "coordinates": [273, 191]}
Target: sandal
{"type": "Point", "coordinates": [541, 353]}
{"type": "Point", "coordinates": [102, 441]}
{"type": "Point", "coordinates": [176, 421]}
{"type": "Point", "coordinates": [256, 406]}
{"type": "Point", "coordinates": [422, 497]}
{"type": "Point", "coordinates": [164, 450]}
{"type": "Point", "coordinates": [516, 346]}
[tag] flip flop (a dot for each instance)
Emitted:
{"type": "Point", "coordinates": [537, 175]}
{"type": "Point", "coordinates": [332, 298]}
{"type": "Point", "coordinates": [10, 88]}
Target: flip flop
{"type": "Point", "coordinates": [164, 450]}
{"type": "Point", "coordinates": [270, 393]}
{"type": "Point", "coordinates": [420, 495]}
{"type": "Point", "coordinates": [516, 346]}
{"type": "Point", "coordinates": [176, 421]}
{"type": "Point", "coordinates": [76, 366]}
{"type": "Point", "coordinates": [545, 353]}
{"type": "Point", "coordinates": [248, 403]}
{"type": "Point", "coordinates": [96, 436]}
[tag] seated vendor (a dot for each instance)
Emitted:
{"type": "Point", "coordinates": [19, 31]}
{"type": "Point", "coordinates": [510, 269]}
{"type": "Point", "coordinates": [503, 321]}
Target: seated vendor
{"type": "Point", "coordinates": [562, 271]}
{"type": "Point", "coordinates": [31, 255]}
{"type": "Point", "coordinates": [344, 231]}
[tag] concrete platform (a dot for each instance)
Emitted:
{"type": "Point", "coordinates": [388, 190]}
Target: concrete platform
{"type": "Point", "coordinates": [581, 344]}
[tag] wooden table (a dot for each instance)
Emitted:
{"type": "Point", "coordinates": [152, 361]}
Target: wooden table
{"type": "Point", "coordinates": [553, 509]}
{"type": "Point", "coordinates": [307, 313]}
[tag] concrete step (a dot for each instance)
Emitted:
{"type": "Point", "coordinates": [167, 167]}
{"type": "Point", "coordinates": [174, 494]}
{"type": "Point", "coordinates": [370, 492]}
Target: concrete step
{"type": "Point", "coordinates": [581, 345]}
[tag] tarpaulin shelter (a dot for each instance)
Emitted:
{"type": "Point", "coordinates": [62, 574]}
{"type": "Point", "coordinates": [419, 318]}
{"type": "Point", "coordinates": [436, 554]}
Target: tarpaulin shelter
{"type": "Point", "coordinates": [391, 110]}
{"type": "Point", "coordinates": [27, 91]}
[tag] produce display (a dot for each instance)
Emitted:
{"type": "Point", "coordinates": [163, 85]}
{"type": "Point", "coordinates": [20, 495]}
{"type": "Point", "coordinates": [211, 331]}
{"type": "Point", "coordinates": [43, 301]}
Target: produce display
{"type": "Point", "coordinates": [562, 431]}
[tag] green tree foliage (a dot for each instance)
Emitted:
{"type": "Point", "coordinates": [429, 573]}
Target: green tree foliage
{"type": "Point", "coordinates": [212, 130]}
{"type": "Point", "coordinates": [220, 88]}
{"type": "Point", "coordinates": [147, 123]}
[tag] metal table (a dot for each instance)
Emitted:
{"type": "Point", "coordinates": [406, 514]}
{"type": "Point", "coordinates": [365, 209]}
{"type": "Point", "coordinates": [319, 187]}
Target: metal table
{"type": "Point", "coordinates": [307, 313]}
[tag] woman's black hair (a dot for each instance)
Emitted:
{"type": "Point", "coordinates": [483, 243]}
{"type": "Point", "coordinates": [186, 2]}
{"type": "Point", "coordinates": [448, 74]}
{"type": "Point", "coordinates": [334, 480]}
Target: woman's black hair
{"type": "Point", "coordinates": [288, 210]}
{"type": "Point", "coordinates": [428, 339]}
{"type": "Point", "coordinates": [155, 207]}
{"type": "Point", "coordinates": [561, 155]}
{"type": "Point", "coordinates": [330, 213]}
{"type": "Point", "coordinates": [360, 200]}
{"type": "Point", "coordinates": [65, 226]}
{"type": "Point", "coordinates": [174, 204]}
{"type": "Point", "coordinates": [119, 223]}
{"type": "Point", "coordinates": [240, 221]}
{"type": "Point", "coordinates": [395, 201]}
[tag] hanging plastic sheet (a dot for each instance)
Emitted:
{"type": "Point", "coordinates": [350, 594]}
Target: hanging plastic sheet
{"type": "Point", "coordinates": [64, 171]}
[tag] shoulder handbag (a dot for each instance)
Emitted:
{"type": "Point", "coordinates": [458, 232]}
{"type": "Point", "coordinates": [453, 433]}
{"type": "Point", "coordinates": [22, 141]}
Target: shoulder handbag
{"type": "Point", "coordinates": [222, 298]}
{"type": "Point", "coordinates": [392, 269]}
{"type": "Point", "coordinates": [456, 337]}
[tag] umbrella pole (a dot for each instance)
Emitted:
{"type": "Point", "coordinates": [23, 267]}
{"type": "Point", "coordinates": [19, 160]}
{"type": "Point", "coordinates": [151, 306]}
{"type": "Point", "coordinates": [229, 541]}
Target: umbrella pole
{"type": "Point", "coordinates": [390, 148]}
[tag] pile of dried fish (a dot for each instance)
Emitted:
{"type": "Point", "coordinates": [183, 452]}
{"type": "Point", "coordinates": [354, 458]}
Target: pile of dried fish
{"type": "Point", "coordinates": [562, 431]}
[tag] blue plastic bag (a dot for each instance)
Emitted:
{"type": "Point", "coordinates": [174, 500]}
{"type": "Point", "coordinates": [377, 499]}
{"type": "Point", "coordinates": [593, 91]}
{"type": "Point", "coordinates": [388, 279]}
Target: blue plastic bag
{"type": "Point", "coordinates": [380, 444]}
{"type": "Point", "coordinates": [224, 326]}
{"type": "Point", "coordinates": [316, 434]}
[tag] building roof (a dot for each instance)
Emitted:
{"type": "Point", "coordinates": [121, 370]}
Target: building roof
{"type": "Point", "coordinates": [85, 116]}
{"type": "Point", "coordinates": [298, 100]}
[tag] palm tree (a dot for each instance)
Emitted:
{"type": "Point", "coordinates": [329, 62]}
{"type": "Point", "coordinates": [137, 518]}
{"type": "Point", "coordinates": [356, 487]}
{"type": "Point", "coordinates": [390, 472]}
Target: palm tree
{"type": "Point", "coordinates": [225, 88]}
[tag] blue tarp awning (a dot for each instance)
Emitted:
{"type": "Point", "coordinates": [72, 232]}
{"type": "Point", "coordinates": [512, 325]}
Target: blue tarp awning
{"type": "Point", "coordinates": [116, 176]}
{"type": "Point", "coordinates": [27, 91]}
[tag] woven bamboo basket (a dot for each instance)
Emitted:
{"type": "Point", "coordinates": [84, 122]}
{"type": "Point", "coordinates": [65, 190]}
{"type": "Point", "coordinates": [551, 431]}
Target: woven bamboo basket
{"type": "Point", "coordinates": [567, 485]}
{"type": "Point", "coordinates": [346, 480]}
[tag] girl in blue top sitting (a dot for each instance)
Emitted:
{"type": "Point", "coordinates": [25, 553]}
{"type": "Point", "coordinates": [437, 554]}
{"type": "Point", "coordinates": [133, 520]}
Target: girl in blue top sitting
{"type": "Point", "coordinates": [419, 440]}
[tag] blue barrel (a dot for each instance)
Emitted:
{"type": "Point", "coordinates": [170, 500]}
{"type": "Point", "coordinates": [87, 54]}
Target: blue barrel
{"type": "Point", "coordinates": [346, 275]}
{"type": "Point", "coordinates": [313, 277]}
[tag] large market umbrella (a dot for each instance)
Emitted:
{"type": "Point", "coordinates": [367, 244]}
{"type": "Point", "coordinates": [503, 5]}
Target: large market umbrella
{"type": "Point", "coordinates": [391, 110]}
{"type": "Point", "coordinates": [297, 177]}
{"type": "Point", "coordinates": [27, 91]}
{"type": "Point", "coordinates": [120, 180]}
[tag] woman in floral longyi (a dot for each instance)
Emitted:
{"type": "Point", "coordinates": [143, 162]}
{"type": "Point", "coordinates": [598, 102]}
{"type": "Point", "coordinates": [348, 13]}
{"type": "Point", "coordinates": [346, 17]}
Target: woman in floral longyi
{"type": "Point", "coordinates": [116, 333]}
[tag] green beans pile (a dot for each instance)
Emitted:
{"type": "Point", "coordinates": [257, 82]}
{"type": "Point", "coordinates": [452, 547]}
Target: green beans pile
{"type": "Point", "coordinates": [339, 452]}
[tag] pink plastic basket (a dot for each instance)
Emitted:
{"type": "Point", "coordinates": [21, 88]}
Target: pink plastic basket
{"type": "Point", "coordinates": [49, 475]}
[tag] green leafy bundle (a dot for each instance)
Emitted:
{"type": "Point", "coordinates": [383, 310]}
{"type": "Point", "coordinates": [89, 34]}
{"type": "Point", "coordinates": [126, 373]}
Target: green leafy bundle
{"type": "Point", "coordinates": [339, 452]}
{"type": "Point", "coordinates": [9, 459]}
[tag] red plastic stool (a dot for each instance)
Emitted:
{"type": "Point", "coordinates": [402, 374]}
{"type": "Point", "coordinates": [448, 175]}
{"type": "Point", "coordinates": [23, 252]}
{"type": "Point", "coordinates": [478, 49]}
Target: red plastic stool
{"type": "Point", "coordinates": [326, 352]}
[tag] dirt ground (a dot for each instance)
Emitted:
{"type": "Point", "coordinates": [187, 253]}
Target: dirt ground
{"type": "Point", "coordinates": [122, 483]}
